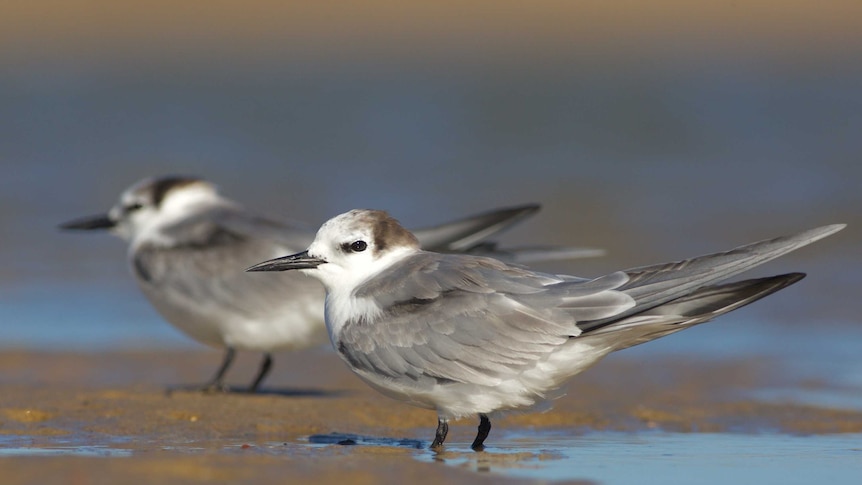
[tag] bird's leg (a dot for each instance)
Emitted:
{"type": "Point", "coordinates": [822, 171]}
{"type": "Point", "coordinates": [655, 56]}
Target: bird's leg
{"type": "Point", "coordinates": [484, 429]}
{"type": "Point", "coordinates": [440, 436]}
{"type": "Point", "coordinates": [261, 374]}
{"type": "Point", "coordinates": [217, 382]}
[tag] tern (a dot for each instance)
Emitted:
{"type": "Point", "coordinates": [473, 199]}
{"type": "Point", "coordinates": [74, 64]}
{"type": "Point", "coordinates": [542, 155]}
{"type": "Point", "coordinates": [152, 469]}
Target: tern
{"type": "Point", "coordinates": [470, 335]}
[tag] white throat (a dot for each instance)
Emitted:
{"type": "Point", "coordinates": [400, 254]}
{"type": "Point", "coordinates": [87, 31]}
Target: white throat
{"type": "Point", "coordinates": [342, 304]}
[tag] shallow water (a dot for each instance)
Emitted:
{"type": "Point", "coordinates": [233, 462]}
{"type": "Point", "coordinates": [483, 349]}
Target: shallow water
{"type": "Point", "coordinates": [83, 317]}
{"type": "Point", "coordinates": [566, 455]}
{"type": "Point", "coordinates": [669, 458]}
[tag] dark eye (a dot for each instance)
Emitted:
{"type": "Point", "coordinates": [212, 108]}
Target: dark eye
{"type": "Point", "coordinates": [134, 207]}
{"type": "Point", "coordinates": [358, 246]}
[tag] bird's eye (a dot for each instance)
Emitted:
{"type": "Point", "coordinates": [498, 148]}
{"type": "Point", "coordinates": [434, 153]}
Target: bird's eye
{"type": "Point", "coordinates": [134, 207]}
{"type": "Point", "coordinates": [358, 246]}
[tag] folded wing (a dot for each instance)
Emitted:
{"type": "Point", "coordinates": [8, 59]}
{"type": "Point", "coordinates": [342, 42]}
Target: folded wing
{"type": "Point", "coordinates": [469, 319]}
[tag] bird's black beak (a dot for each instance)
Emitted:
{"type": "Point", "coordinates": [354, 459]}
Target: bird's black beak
{"type": "Point", "coordinates": [294, 261]}
{"type": "Point", "coordinates": [101, 221]}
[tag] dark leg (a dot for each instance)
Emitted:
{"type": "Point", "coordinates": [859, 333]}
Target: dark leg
{"type": "Point", "coordinates": [217, 382]}
{"type": "Point", "coordinates": [484, 429]}
{"type": "Point", "coordinates": [440, 436]}
{"type": "Point", "coordinates": [261, 374]}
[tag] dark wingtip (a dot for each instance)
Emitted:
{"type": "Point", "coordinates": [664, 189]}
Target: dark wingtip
{"type": "Point", "coordinates": [524, 209]}
{"type": "Point", "coordinates": [513, 213]}
{"type": "Point", "coordinates": [793, 277]}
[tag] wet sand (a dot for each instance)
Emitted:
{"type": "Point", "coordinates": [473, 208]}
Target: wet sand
{"type": "Point", "coordinates": [106, 418]}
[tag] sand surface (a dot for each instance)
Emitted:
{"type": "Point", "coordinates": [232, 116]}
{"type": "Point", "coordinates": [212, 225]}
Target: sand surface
{"type": "Point", "coordinates": [106, 418]}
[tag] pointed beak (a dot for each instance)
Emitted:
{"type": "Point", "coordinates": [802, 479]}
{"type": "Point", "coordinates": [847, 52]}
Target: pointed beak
{"type": "Point", "coordinates": [294, 261]}
{"type": "Point", "coordinates": [101, 221]}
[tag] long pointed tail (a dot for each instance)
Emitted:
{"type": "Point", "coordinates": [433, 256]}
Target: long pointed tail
{"type": "Point", "coordinates": [653, 286]}
{"type": "Point", "coordinates": [697, 307]}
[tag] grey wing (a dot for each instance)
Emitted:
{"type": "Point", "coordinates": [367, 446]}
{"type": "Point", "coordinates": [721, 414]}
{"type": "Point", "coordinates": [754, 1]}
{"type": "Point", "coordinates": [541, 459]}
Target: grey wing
{"type": "Point", "coordinates": [292, 235]}
{"type": "Point", "coordinates": [470, 235]}
{"type": "Point", "coordinates": [652, 286]}
{"type": "Point", "coordinates": [532, 254]}
{"type": "Point", "coordinates": [469, 319]}
{"type": "Point", "coordinates": [208, 267]}
{"type": "Point", "coordinates": [462, 234]}
{"type": "Point", "coordinates": [233, 221]}
{"type": "Point", "coordinates": [697, 307]}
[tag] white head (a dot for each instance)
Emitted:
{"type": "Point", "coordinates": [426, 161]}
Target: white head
{"type": "Point", "coordinates": [151, 203]}
{"type": "Point", "coordinates": [349, 248]}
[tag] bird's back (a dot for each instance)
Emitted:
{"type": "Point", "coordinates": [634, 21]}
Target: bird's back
{"type": "Point", "coordinates": [197, 282]}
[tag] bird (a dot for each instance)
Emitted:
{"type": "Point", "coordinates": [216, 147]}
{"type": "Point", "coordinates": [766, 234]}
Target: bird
{"type": "Point", "coordinates": [469, 335]}
{"type": "Point", "coordinates": [188, 246]}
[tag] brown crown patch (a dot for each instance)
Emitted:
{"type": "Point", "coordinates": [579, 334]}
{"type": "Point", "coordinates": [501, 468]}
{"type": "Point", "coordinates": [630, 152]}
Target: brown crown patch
{"type": "Point", "coordinates": [387, 232]}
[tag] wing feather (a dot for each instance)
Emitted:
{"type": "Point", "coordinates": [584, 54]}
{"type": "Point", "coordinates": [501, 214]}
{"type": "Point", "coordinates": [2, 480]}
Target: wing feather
{"type": "Point", "coordinates": [652, 286]}
{"type": "Point", "coordinates": [471, 319]}
{"type": "Point", "coordinates": [207, 264]}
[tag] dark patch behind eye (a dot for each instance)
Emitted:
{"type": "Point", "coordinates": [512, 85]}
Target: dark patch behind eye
{"type": "Point", "coordinates": [387, 231]}
{"type": "Point", "coordinates": [162, 186]}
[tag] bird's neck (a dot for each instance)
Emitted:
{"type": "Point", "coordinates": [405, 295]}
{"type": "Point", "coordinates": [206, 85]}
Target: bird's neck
{"type": "Point", "coordinates": [345, 308]}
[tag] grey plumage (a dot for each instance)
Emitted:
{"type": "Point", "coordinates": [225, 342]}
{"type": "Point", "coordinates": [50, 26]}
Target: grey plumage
{"type": "Point", "coordinates": [463, 334]}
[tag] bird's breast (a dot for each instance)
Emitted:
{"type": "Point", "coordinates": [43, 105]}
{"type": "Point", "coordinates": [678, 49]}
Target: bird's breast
{"type": "Point", "coordinates": [346, 310]}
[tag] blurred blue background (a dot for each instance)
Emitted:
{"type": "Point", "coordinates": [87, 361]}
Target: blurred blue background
{"type": "Point", "coordinates": [656, 130]}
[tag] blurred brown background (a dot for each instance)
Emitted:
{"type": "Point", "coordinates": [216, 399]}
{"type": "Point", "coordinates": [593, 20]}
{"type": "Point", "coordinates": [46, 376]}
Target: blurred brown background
{"type": "Point", "coordinates": [657, 130]}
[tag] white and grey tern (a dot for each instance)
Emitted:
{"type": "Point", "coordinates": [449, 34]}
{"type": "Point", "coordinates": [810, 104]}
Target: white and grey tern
{"type": "Point", "coordinates": [468, 335]}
